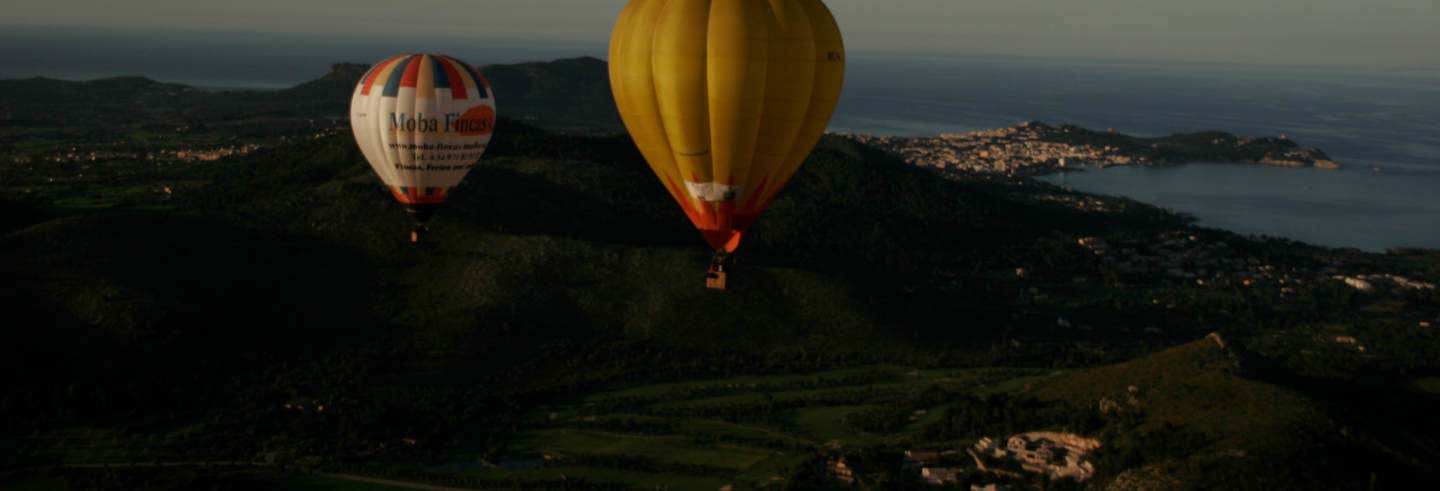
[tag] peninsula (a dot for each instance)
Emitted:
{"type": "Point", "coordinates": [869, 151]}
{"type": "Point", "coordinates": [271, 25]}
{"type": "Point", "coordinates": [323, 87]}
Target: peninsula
{"type": "Point", "coordinates": [1037, 148]}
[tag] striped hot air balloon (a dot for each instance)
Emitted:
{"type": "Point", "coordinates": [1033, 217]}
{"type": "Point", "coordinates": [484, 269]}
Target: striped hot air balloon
{"type": "Point", "coordinates": [422, 121]}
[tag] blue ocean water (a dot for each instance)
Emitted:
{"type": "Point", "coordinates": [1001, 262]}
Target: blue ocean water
{"type": "Point", "coordinates": [1355, 208]}
{"type": "Point", "coordinates": [1391, 119]}
{"type": "Point", "coordinates": [1383, 126]}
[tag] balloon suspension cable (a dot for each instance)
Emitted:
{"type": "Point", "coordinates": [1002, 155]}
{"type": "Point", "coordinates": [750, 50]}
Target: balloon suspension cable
{"type": "Point", "coordinates": [716, 277]}
{"type": "Point", "coordinates": [420, 214]}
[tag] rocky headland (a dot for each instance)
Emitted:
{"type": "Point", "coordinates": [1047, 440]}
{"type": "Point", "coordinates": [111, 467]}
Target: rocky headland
{"type": "Point", "coordinates": [1037, 148]}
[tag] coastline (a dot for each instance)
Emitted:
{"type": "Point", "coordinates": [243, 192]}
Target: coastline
{"type": "Point", "coordinates": [1036, 148]}
{"type": "Point", "coordinates": [1247, 185]}
{"type": "Point", "coordinates": [1327, 208]}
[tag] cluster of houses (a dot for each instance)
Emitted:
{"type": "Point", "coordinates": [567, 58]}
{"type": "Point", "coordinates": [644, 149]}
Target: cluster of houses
{"type": "Point", "coordinates": [1181, 256]}
{"type": "Point", "coordinates": [214, 154]}
{"type": "Point", "coordinates": [839, 471]}
{"type": "Point", "coordinates": [1369, 282]}
{"type": "Point", "coordinates": [1023, 149]}
{"type": "Point", "coordinates": [124, 151]}
{"type": "Point", "coordinates": [1053, 455]}
{"type": "Point", "coordinates": [930, 472]}
{"type": "Point", "coordinates": [1036, 148]}
{"type": "Point", "coordinates": [1057, 455]}
{"type": "Point", "coordinates": [303, 408]}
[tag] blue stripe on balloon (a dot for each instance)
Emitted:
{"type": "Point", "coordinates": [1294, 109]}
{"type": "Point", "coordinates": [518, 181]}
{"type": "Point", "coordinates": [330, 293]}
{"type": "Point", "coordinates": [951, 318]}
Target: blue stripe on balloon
{"type": "Point", "coordinates": [441, 80]}
{"type": "Point", "coordinates": [392, 86]}
{"type": "Point", "coordinates": [479, 81]}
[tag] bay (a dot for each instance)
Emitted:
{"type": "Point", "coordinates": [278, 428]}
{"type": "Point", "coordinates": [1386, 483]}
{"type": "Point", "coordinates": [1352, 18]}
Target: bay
{"type": "Point", "coordinates": [1384, 127]}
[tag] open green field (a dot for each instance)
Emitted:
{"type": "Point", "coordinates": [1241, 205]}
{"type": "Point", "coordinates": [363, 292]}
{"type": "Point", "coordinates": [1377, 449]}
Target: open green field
{"type": "Point", "coordinates": [747, 431]}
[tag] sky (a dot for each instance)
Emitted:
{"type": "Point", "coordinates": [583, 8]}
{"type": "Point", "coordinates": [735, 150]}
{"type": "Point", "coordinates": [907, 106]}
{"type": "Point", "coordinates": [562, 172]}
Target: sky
{"type": "Point", "coordinates": [1343, 33]}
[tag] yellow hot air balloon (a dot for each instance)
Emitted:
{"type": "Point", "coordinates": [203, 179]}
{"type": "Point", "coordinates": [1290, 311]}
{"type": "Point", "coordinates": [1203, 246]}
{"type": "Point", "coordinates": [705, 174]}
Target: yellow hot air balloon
{"type": "Point", "coordinates": [725, 99]}
{"type": "Point", "coordinates": [422, 121]}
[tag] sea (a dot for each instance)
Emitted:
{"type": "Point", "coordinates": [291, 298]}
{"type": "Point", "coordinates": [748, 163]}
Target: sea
{"type": "Point", "coordinates": [1383, 126]}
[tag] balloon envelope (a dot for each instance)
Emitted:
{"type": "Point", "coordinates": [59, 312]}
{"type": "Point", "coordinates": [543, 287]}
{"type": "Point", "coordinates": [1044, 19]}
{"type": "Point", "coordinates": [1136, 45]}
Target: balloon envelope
{"type": "Point", "coordinates": [422, 121]}
{"type": "Point", "coordinates": [726, 98]}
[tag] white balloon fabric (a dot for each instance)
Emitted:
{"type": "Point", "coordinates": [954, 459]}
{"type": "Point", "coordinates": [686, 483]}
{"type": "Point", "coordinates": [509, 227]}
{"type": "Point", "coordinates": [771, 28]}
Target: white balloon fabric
{"type": "Point", "coordinates": [422, 121]}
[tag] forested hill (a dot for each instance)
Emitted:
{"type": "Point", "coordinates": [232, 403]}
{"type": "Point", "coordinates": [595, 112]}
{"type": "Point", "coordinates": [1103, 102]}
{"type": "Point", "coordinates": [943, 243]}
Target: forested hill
{"type": "Point", "coordinates": [571, 94]}
{"type": "Point", "coordinates": [193, 328]}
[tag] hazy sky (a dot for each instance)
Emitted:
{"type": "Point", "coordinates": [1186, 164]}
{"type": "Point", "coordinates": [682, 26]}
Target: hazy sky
{"type": "Point", "coordinates": [1351, 33]}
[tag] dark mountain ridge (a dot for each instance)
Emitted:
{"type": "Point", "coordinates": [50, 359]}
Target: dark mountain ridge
{"type": "Point", "coordinates": [571, 94]}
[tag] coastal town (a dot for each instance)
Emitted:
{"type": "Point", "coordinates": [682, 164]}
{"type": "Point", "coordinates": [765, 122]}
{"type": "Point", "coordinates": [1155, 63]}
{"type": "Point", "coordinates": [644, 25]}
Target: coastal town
{"type": "Point", "coordinates": [1036, 148]}
{"type": "Point", "coordinates": [1182, 257]}
{"type": "Point", "coordinates": [1048, 455]}
{"type": "Point", "coordinates": [202, 154]}
{"type": "Point", "coordinates": [123, 161]}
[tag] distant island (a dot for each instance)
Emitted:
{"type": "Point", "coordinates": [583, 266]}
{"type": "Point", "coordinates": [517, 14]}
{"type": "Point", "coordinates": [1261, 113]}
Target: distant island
{"type": "Point", "coordinates": [1037, 148]}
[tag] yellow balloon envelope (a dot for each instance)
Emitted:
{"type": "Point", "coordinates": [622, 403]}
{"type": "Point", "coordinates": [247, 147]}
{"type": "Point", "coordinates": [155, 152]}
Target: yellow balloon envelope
{"type": "Point", "coordinates": [726, 98]}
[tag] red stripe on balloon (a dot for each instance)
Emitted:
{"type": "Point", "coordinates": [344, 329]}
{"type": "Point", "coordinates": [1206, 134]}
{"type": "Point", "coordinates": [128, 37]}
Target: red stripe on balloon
{"type": "Point", "coordinates": [457, 84]}
{"type": "Point", "coordinates": [412, 196]}
{"type": "Point", "coordinates": [468, 74]}
{"type": "Point", "coordinates": [412, 72]}
{"type": "Point", "coordinates": [724, 213]}
{"type": "Point", "coordinates": [375, 74]}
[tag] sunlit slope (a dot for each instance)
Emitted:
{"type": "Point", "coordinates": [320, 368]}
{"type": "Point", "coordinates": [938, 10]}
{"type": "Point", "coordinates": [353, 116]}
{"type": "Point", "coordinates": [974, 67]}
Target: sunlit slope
{"type": "Point", "coordinates": [1190, 417]}
{"type": "Point", "coordinates": [1194, 414]}
{"type": "Point", "coordinates": [561, 270]}
{"type": "Point", "coordinates": [1197, 416]}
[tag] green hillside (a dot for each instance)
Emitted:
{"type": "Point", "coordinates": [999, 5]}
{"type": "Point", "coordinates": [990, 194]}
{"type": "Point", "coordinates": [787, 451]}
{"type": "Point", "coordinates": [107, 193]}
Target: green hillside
{"type": "Point", "coordinates": [270, 311]}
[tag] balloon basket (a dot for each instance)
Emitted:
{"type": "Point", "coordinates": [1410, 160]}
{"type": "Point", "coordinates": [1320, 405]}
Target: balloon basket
{"type": "Point", "coordinates": [419, 215]}
{"type": "Point", "coordinates": [716, 277]}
